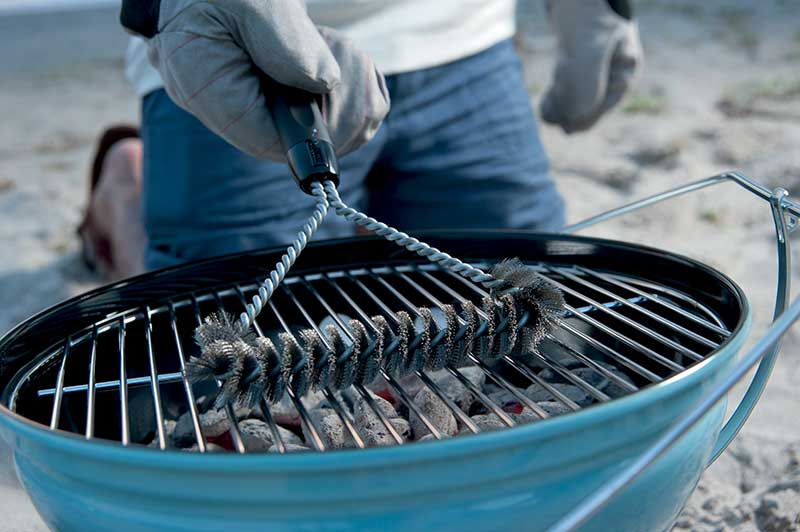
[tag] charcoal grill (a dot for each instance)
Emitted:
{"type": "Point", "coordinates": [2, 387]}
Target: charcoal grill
{"type": "Point", "coordinates": [676, 330]}
{"type": "Point", "coordinates": [90, 386]}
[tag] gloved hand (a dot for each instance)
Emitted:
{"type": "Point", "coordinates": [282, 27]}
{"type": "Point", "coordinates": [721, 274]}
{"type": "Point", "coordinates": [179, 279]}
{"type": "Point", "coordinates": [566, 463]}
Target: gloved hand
{"type": "Point", "coordinates": [206, 52]}
{"type": "Point", "coordinates": [599, 59]}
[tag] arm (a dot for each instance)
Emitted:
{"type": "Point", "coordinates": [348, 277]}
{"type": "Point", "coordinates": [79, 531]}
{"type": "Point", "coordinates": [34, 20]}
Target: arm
{"type": "Point", "coordinates": [212, 55]}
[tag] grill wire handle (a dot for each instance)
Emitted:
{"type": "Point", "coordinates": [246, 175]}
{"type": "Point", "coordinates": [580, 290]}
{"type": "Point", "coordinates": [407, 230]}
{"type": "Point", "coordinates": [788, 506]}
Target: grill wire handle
{"type": "Point", "coordinates": [785, 214]}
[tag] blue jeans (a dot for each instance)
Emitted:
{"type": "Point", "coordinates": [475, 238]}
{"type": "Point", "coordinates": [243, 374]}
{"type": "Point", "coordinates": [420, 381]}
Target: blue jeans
{"type": "Point", "coordinates": [459, 149]}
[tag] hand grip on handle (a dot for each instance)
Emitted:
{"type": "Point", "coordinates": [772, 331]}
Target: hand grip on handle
{"type": "Point", "coordinates": [303, 134]}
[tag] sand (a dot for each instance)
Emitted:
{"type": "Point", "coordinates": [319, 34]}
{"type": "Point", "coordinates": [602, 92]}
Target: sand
{"type": "Point", "coordinates": [721, 90]}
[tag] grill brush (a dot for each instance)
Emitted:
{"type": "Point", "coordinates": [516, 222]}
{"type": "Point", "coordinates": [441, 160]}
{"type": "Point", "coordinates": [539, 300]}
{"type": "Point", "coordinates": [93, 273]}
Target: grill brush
{"type": "Point", "coordinates": [519, 312]}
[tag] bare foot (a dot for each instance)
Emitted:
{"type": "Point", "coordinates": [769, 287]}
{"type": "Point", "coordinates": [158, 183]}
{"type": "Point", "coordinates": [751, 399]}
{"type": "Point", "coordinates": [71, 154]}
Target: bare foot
{"type": "Point", "coordinates": [113, 235]}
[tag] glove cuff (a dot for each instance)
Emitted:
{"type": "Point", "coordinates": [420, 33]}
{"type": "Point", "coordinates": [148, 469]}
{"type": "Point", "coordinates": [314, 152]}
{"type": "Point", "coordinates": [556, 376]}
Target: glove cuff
{"type": "Point", "coordinates": [622, 8]}
{"type": "Point", "coordinates": [140, 16]}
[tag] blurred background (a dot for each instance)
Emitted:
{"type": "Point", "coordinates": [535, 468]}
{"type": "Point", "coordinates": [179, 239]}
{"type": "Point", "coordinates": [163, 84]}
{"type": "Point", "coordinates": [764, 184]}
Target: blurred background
{"type": "Point", "coordinates": [720, 91]}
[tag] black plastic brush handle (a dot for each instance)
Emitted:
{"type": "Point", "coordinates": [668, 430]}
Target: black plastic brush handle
{"type": "Point", "coordinates": [303, 134]}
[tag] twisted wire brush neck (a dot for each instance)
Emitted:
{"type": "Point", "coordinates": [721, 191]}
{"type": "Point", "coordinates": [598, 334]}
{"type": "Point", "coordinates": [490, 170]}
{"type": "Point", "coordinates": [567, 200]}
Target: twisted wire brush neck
{"type": "Point", "coordinates": [277, 275]}
{"type": "Point", "coordinates": [410, 243]}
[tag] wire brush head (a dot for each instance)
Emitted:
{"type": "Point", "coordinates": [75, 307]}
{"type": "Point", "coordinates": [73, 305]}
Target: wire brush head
{"type": "Point", "coordinates": [220, 360]}
{"type": "Point", "coordinates": [543, 299]}
{"type": "Point", "coordinates": [249, 367]}
{"type": "Point", "coordinates": [220, 326]}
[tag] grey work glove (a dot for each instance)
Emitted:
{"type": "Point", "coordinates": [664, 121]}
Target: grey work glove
{"type": "Point", "coordinates": [599, 59]}
{"type": "Point", "coordinates": [206, 52]}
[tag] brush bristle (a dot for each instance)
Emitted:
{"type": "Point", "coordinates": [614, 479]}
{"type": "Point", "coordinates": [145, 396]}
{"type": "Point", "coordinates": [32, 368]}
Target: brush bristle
{"type": "Point", "coordinates": [218, 360]}
{"type": "Point", "coordinates": [249, 386]}
{"type": "Point", "coordinates": [319, 372]}
{"type": "Point", "coordinates": [539, 296]}
{"type": "Point", "coordinates": [515, 273]}
{"type": "Point", "coordinates": [219, 327]}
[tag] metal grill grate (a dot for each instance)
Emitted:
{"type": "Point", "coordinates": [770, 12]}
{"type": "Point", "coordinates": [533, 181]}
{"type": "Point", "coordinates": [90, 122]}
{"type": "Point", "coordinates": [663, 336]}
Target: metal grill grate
{"type": "Point", "coordinates": [122, 378]}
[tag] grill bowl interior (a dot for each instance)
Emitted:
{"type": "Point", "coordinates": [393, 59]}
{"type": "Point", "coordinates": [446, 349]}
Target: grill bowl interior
{"type": "Point", "coordinates": [524, 470]}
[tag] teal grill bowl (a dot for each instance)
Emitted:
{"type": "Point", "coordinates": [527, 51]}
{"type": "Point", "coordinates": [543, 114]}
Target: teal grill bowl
{"type": "Point", "coordinates": [521, 478]}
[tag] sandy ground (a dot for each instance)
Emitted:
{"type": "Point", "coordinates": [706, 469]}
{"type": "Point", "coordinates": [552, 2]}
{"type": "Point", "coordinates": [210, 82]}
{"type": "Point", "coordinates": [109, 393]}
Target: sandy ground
{"type": "Point", "coordinates": [721, 90]}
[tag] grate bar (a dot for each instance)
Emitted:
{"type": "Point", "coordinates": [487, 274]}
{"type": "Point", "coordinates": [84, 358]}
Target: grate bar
{"type": "Point", "coordinates": [125, 430]}
{"type": "Point", "coordinates": [717, 325]}
{"type": "Point", "coordinates": [154, 386]}
{"type": "Point", "coordinates": [163, 378]}
{"type": "Point", "coordinates": [187, 386]}
{"type": "Point", "coordinates": [661, 359]}
{"type": "Point", "coordinates": [90, 393]}
{"type": "Point", "coordinates": [375, 408]}
{"type": "Point", "coordinates": [534, 378]}
{"type": "Point", "coordinates": [660, 319]}
{"type": "Point", "coordinates": [457, 412]}
{"type": "Point", "coordinates": [344, 417]}
{"type": "Point", "coordinates": [666, 304]}
{"type": "Point", "coordinates": [277, 440]}
{"type": "Point", "coordinates": [235, 432]}
{"type": "Point", "coordinates": [305, 419]}
{"type": "Point", "coordinates": [558, 367]}
{"type": "Point", "coordinates": [504, 384]}
{"type": "Point", "coordinates": [611, 353]}
{"type": "Point", "coordinates": [593, 365]}
{"type": "Point", "coordinates": [627, 321]}
{"type": "Point", "coordinates": [482, 397]}
{"type": "Point", "coordinates": [401, 392]}
{"type": "Point", "coordinates": [59, 390]}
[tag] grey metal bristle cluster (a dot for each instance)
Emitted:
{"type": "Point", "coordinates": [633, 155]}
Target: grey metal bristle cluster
{"type": "Point", "coordinates": [249, 366]}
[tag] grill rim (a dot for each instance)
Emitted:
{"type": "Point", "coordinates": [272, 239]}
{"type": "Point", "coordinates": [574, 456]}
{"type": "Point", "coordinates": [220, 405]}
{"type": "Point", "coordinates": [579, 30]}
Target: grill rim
{"type": "Point", "coordinates": [732, 342]}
